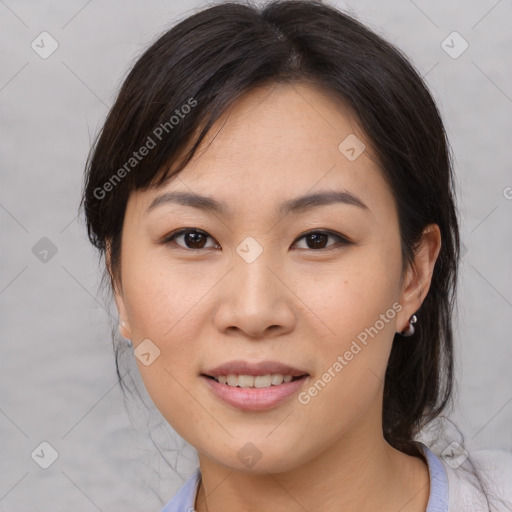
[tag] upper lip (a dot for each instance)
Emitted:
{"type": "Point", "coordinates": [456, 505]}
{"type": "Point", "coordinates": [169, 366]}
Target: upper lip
{"type": "Point", "coordinates": [240, 367]}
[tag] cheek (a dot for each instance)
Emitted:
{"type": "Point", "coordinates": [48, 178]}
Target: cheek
{"type": "Point", "coordinates": [352, 295]}
{"type": "Point", "coordinates": [163, 305]}
{"type": "Point", "coordinates": [162, 298]}
{"type": "Point", "coordinates": [164, 308]}
{"type": "Point", "coordinates": [356, 306]}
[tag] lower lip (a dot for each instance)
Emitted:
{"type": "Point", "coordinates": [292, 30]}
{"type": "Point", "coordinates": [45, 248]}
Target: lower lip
{"type": "Point", "coordinates": [255, 399]}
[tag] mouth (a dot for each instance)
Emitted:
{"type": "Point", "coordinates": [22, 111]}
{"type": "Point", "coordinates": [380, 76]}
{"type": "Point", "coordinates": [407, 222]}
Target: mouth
{"type": "Point", "coordinates": [254, 386]}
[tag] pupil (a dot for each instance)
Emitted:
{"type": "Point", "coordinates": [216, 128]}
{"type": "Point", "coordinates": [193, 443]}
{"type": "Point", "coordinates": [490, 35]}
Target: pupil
{"type": "Point", "coordinates": [318, 240]}
{"type": "Point", "coordinates": [197, 236]}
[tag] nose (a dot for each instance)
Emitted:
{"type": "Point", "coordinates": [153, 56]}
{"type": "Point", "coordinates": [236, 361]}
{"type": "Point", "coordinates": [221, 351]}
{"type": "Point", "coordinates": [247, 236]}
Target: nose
{"type": "Point", "coordinates": [255, 300]}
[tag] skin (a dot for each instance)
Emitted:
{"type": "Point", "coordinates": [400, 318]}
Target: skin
{"type": "Point", "coordinates": [295, 303]}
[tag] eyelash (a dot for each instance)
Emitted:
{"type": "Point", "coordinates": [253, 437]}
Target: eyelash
{"type": "Point", "coordinates": [342, 240]}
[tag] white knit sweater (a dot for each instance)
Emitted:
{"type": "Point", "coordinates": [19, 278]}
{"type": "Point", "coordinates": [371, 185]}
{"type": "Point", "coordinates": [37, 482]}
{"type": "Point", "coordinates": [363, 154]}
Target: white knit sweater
{"type": "Point", "coordinates": [495, 470]}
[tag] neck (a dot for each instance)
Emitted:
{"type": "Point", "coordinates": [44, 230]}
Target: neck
{"type": "Point", "coordinates": [357, 472]}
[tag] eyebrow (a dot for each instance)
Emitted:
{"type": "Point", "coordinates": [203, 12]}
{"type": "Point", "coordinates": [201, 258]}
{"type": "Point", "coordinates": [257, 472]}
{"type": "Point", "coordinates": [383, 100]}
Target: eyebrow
{"type": "Point", "coordinates": [296, 205]}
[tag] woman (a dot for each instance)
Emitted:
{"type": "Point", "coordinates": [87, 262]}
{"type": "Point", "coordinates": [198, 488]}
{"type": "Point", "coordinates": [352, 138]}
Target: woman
{"type": "Point", "coordinates": [273, 194]}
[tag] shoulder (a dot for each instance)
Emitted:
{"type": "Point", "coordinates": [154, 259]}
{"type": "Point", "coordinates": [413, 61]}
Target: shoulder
{"type": "Point", "coordinates": [479, 480]}
{"type": "Point", "coordinates": [184, 499]}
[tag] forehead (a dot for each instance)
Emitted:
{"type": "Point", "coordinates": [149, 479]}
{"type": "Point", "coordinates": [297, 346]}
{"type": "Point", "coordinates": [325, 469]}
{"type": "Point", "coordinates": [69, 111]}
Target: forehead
{"type": "Point", "coordinates": [284, 122]}
{"type": "Point", "coordinates": [277, 142]}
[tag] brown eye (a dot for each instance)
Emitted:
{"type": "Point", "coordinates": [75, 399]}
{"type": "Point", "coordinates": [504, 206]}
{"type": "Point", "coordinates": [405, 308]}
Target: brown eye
{"type": "Point", "coordinates": [192, 239]}
{"type": "Point", "coordinates": [197, 239]}
{"type": "Point", "coordinates": [318, 240]}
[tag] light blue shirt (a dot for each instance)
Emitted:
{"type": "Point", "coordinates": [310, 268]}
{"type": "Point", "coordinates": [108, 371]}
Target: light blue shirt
{"type": "Point", "coordinates": [185, 499]}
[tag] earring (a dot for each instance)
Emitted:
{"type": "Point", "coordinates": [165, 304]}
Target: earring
{"type": "Point", "coordinates": [410, 328]}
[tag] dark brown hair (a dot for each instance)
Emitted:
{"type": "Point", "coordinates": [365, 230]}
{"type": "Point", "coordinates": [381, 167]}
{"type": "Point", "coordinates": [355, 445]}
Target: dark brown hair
{"type": "Point", "coordinates": [207, 62]}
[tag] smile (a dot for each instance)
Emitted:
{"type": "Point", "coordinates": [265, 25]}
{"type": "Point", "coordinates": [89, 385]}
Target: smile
{"type": "Point", "coordinates": [254, 381]}
{"type": "Point", "coordinates": [243, 393]}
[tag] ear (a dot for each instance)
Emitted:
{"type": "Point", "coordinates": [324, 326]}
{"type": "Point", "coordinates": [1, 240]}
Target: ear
{"type": "Point", "coordinates": [419, 274]}
{"type": "Point", "coordinates": [117, 289]}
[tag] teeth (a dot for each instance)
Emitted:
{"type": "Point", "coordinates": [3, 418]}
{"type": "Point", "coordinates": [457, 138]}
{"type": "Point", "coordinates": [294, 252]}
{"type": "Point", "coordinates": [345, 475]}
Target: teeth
{"type": "Point", "coordinates": [246, 381]}
{"type": "Point", "coordinates": [263, 381]}
{"type": "Point", "coordinates": [250, 381]}
{"type": "Point", "coordinates": [277, 379]}
{"type": "Point", "coordinates": [232, 380]}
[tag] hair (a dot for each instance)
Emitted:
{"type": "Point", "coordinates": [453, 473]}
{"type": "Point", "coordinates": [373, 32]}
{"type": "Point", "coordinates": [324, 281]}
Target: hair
{"type": "Point", "coordinates": [188, 78]}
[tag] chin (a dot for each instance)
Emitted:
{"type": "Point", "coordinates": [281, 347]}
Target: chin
{"type": "Point", "coordinates": [257, 458]}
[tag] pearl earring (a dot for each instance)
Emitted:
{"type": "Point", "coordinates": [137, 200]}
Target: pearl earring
{"type": "Point", "coordinates": [410, 328]}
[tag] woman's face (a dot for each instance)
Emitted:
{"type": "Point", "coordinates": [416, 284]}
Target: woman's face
{"type": "Point", "coordinates": [252, 287]}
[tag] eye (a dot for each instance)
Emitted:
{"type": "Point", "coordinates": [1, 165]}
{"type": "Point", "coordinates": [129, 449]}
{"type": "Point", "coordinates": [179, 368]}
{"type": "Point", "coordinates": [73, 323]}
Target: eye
{"type": "Point", "coordinates": [196, 239]}
{"type": "Point", "coordinates": [193, 238]}
{"type": "Point", "coordinates": [317, 240]}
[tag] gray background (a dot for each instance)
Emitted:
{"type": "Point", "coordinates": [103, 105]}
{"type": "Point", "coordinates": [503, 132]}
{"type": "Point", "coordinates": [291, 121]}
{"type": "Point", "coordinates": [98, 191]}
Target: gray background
{"type": "Point", "coordinates": [57, 375]}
